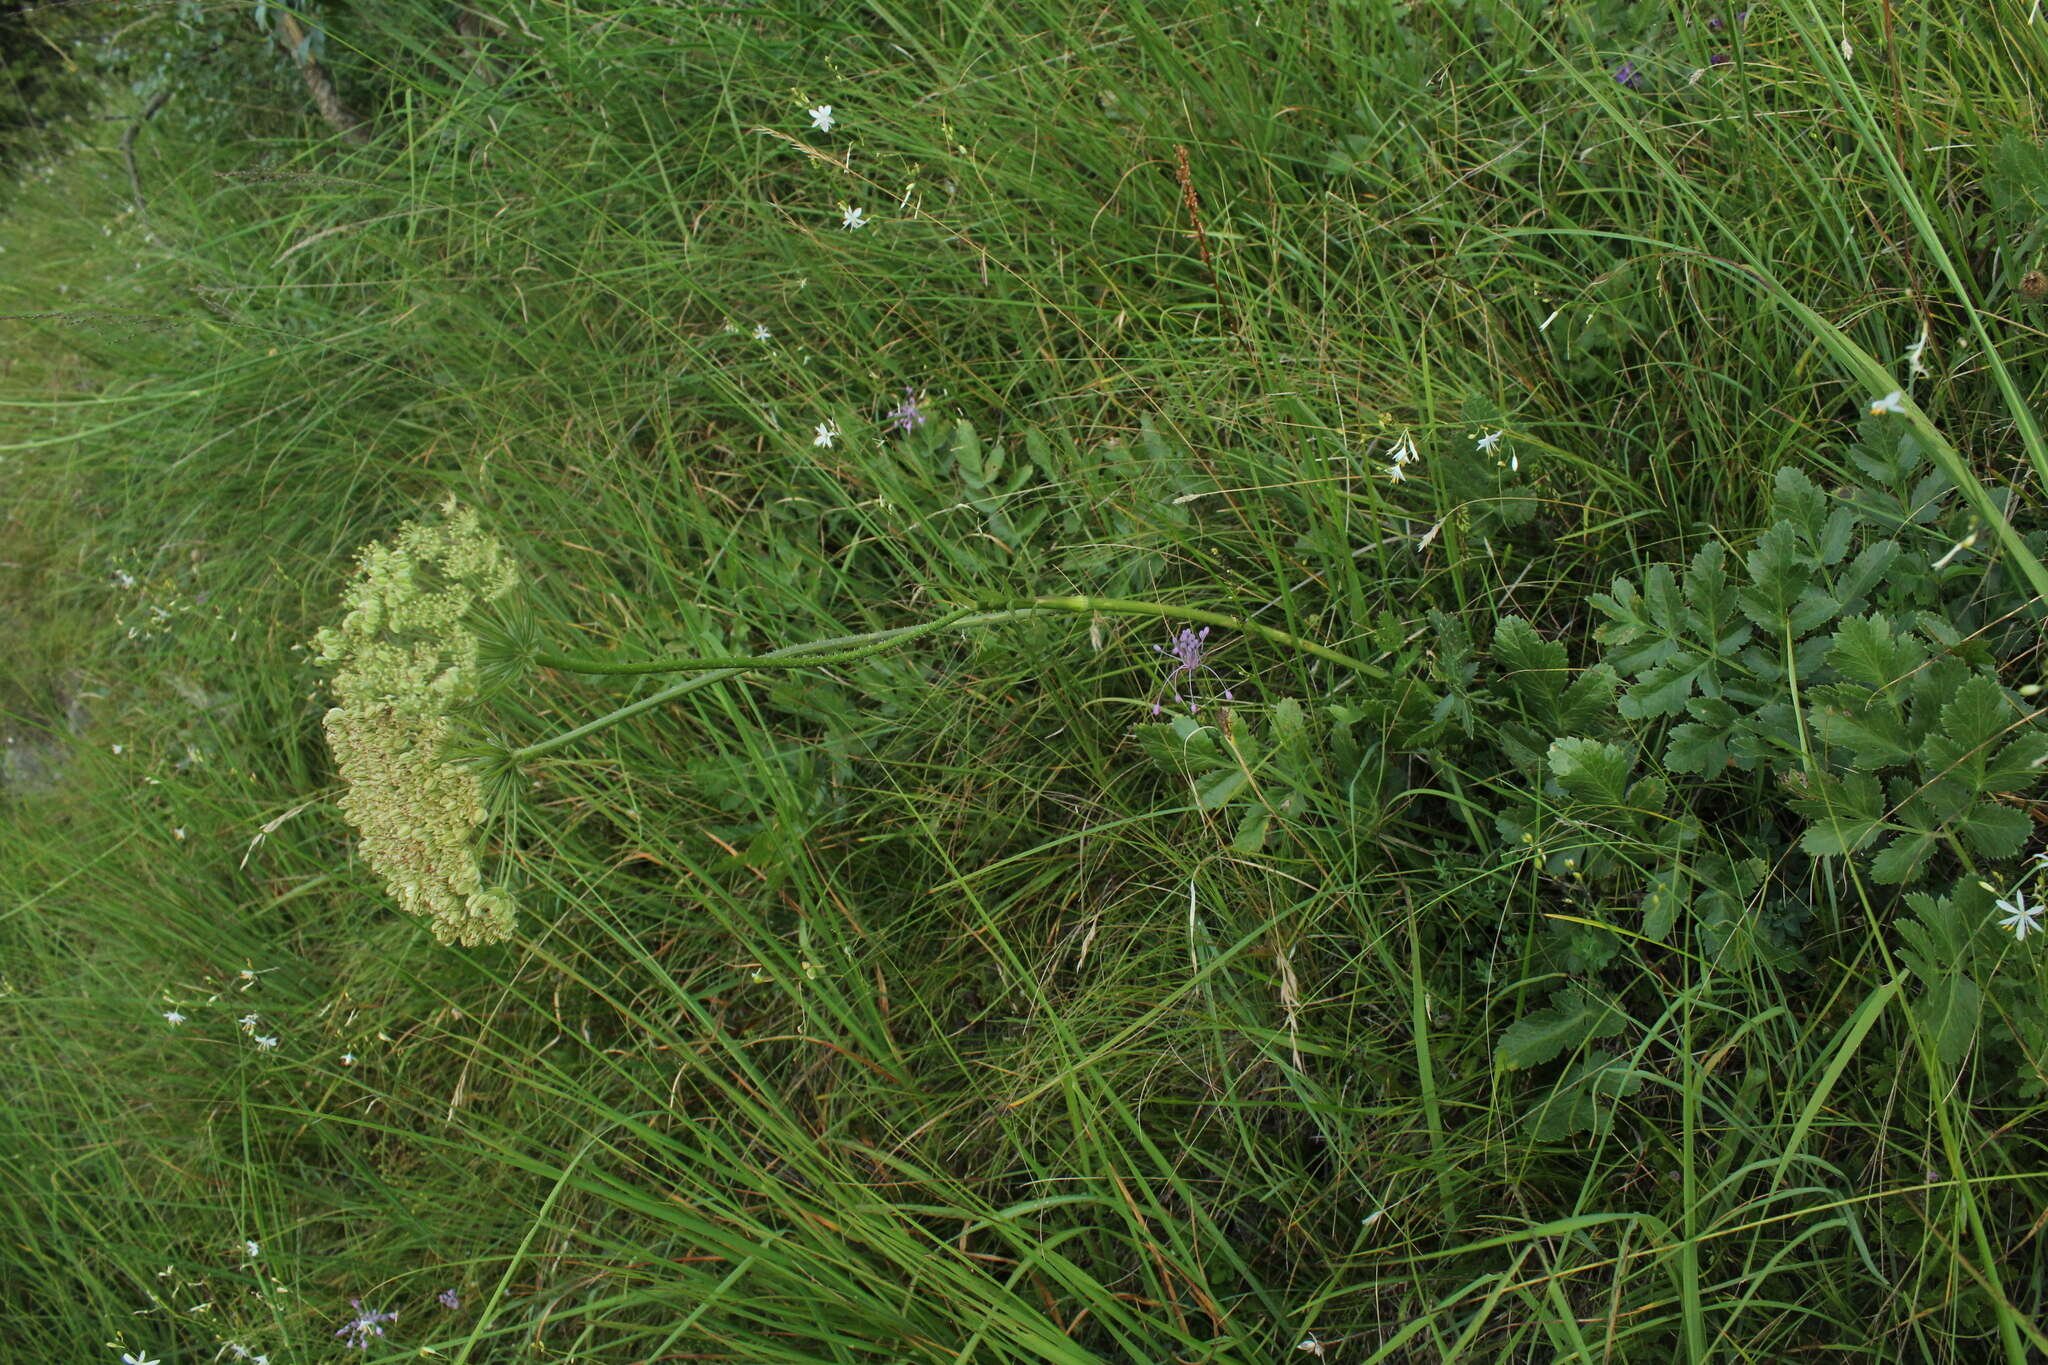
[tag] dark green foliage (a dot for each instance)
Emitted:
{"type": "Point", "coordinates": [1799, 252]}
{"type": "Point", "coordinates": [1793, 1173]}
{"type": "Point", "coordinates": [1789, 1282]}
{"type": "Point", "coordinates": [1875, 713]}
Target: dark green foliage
{"type": "Point", "coordinates": [44, 94]}
{"type": "Point", "coordinates": [1822, 705]}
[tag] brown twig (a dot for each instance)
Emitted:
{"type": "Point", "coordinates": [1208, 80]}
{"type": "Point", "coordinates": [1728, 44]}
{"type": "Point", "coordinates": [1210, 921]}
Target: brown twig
{"type": "Point", "coordinates": [326, 98]}
{"type": "Point", "coordinates": [156, 102]}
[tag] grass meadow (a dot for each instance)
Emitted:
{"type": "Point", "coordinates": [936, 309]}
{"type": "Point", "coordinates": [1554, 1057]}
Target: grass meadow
{"type": "Point", "coordinates": [1613, 946]}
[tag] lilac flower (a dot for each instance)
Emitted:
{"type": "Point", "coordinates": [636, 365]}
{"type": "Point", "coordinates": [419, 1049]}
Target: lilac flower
{"type": "Point", "coordinates": [1188, 647]}
{"type": "Point", "coordinates": [906, 417]}
{"type": "Point", "coordinates": [366, 1324]}
{"type": "Point", "coordinates": [449, 1300]}
{"type": "Point", "coordinates": [1719, 59]}
{"type": "Point", "coordinates": [1717, 23]}
{"type": "Point", "coordinates": [1627, 76]}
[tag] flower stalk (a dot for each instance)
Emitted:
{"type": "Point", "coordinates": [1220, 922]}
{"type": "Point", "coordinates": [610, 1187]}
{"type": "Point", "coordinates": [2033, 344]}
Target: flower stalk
{"type": "Point", "coordinates": [852, 648]}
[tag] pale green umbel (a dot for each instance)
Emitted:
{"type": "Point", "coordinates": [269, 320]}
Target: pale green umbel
{"type": "Point", "coordinates": [403, 659]}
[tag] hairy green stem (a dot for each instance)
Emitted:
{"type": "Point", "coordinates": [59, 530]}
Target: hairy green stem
{"type": "Point", "coordinates": [850, 648]}
{"type": "Point", "coordinates": [571, 663]}
{"type": "Point", "coordinates": [811, 653]}
{"type": "Point", "coordinates": [1122, 606]}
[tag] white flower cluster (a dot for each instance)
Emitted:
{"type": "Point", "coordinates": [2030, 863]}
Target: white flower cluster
{"type": "Point", "coordinates": [403, 660]}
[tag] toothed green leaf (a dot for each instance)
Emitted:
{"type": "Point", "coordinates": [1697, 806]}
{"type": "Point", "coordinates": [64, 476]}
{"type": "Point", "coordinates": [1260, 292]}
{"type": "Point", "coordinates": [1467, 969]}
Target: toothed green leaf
{"type": "Point", "coordinates": [1591, 770]}
{"type": "Point", "coordinates": [1847, 815]}
{"type": "Point", "coordinates": [1993, 830]}
{"type": "Point", "coordinates": [1575, 1017]}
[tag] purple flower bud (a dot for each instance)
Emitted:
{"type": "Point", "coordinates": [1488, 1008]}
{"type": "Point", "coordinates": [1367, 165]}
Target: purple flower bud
{"type": "Point", "coordinates": [1627, 76]}
{"type": "Point", "coordinates": [1719, 59]}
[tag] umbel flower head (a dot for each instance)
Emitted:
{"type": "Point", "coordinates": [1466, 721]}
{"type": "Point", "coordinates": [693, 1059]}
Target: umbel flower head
{"type": "Point", "coordinates": [403, 659]}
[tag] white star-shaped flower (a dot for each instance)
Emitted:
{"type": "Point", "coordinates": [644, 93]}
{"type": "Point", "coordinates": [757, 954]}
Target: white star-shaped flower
{"type": "Point", "coordinates": [127, 1359]}
{"type": "Point", "coordinates": [1396, 473]}
{"type": "Point", "coordinates": [267, 1043]}
{"type": "Point", "coordinates": [348, 1059]}
{"type": "Point", "coordinates": [821, 118]}
{"type": "Point", "coordinates": [761, 332]}
{"type": "Point", "coordinates": [851, 217]}
{"type": "Point", "coordinates": [248, 1023]}
{"type": "Point", "coordinates": [826, 431]}
{"type": "Point", "coordinates": [1404, 451]}
{"type": "Point", "coordinates": [1914, 363]}
{"type": "Point", "coordinates": [1490, 440]}
{"type": "Point", "coordinates": [2021, 918]}
{"type": "Point", "coordinates": [1893, 402]}
{"type": "Point", "coordinates": [252, 1249]}
{"type": "Point", "coordinates": [173, 1018]}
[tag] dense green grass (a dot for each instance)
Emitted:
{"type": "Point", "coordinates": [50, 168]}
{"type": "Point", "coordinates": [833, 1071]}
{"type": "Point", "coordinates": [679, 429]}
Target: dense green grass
{"type": "Point", "coordinates": [908, 1011]}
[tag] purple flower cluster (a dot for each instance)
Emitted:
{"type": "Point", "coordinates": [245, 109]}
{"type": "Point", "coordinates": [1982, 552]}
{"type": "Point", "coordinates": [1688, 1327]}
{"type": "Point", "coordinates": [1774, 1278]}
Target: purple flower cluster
{"type": "Point", "coordinates": [448, 1299]}
{"type": "Point", "coordinates": [367, 1323]}
{"type": "Point", "coordinates": [1716, 25]}
{"type": "Point", "coordinates": [1188, 648]}
{"type": "Point", "coordinates": [1629, 76]}
{"type": "Point", "coordinates": [906, 417]}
